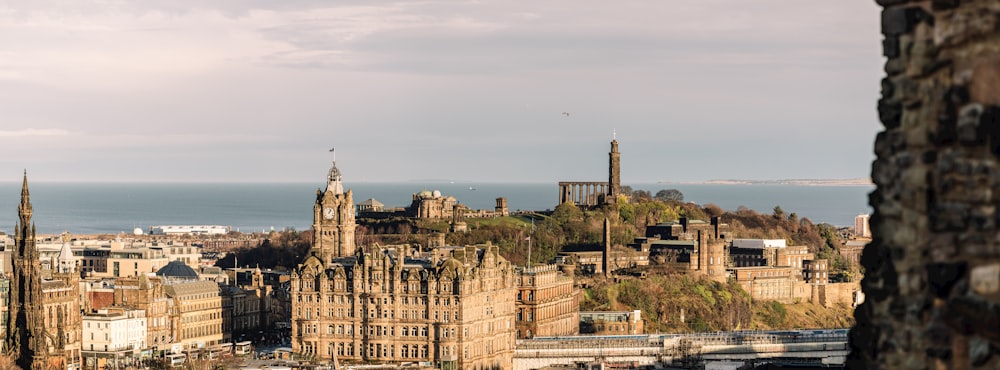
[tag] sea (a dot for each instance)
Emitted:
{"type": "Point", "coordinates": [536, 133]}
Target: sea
{"type": "Point", "coordinates": [97, 208]}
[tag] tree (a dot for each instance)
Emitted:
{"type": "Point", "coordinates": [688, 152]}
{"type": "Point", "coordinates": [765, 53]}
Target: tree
{"type": "Point", "coordinates": [567, 212]}
{"type": "Point", "coordinates": [670, 195]}
{"type": "Point", "coordinates": [625, 189]}
{"type": "Point", "coordinates": [642, 195]}
{"type": "Point", "coordinates": [793, 221]}
{"type": "Point", "coordinates": [713, 210]}
{"type": "Point", "coordinates": [779, 213]}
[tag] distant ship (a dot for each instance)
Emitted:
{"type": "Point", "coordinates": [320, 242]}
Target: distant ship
{"type": "Point", "coordinates": [472, 188]}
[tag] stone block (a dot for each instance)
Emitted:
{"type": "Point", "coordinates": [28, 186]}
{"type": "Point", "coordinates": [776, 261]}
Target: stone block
{"type": "Point", "coordinates": [968, 124]}
{"type": "Point", "coordinates": [928, 157]}
{"type": "Point", "coordinates": [949, 216]}
{"type": "Point", "coordinates": [888, 88]}
{"type": "Point", "coordinates": [957, 96]}
{"type": "Point", "coordinates": [942, 247]}
{"type": "Point", "coordinates": [944, 4]}
{"type": "Point", "coordinates": [983, 218]}
{"type": "Point", "coordinates": [889, 142]}
{"type": "Point", "coordinates": [941, 277]}
{"type": "Point", "coordinates": [979, 351]}
{"type": "Point", "coordinates": [938, 339]}
{"type": "Point", "coordinates": [922, 58]}
{"type": "Point", "coordinates": [962, 24]}
{"type": "Point", "coordinates": [985, 279]}
{"type": "Point", "coordinates": [985, 85]}
{"type": "Point", "coordinates": [883, 172]}
{"type": "Point", "coordinates": [894, 66]}
{"type": "Point", "coordinates": [900, 20]}
{"type": "Point", "coordinates": [889, 113]}
{"type": "Point", "coordinates": [890, 47]}
{"type": "Point", "coordinates": [945, 134]}
{"type": "Point", "coordinates": [972, 315]}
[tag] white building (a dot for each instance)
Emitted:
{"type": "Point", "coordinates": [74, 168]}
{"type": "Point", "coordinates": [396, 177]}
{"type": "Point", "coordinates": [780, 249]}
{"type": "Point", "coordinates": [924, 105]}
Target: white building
{"type": "Point", "coordinates": [189, 229]}
{"type": "Point", "coordinates": [113, 335]}
{"type": "Point", "coordinates": [861, 226]}
{"type": "Point", "coordinates": [759, 243]}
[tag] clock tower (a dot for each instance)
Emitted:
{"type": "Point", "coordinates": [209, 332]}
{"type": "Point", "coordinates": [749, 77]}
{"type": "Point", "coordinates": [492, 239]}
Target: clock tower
{"type": "Point", "coordinates": [333, 219]}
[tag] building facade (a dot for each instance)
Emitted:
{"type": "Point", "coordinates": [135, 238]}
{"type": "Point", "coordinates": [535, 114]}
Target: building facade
{"type": "Point", "coordinates": [862, 228]}
{"type": "Point", "coordinates": [44, 308]}
{"type": "Point", "coordinates": [333, 219]}
{"type": "Point", "coordinates": [590, 194]}
{"type": "Point", "coordinates": [113, 338]}
{"type": "Point", "coordinates": [453, 306]}
{"type": "Point", "coordinates": [548, 303]}
{"type": "Point", "coordinates": [611, 322]}
{"type": "Point", "coordinates": [147, 293]}
{"type": "Point", "coordinates": [196, 315]}
{"type": "Point", "coordinates": [432, 205]}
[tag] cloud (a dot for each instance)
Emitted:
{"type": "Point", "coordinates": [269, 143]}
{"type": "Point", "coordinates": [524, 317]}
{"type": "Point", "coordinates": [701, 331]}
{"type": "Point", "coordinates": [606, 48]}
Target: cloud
{"type": "Point", "coordinates": [33, 132]}
{"type": "Point", "coordinates": [271, 84]}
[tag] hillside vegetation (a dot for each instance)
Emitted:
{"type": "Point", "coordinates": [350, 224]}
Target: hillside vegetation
{"type": "Point", "coordinates": [683, 304]}
{"type": "Point", "coordinates": [675, 303]}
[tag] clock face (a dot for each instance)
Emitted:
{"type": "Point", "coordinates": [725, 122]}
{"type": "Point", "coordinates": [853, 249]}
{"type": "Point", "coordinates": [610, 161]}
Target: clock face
{"type": "Point", "coordinates": [328, 213]}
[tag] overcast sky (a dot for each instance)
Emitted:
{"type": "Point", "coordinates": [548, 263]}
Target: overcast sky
{"type": "Point", "coordinates": [260, 90]}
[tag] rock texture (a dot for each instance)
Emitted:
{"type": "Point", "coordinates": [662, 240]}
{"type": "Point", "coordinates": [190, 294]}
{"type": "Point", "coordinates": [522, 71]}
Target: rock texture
{"type": "Point", "coordinates": [932, 281]}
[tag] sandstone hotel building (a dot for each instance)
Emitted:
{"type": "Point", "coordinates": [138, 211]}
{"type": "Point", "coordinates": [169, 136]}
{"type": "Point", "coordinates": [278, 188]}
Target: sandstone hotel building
{"type": "Point", "coordinates": [452, 307]}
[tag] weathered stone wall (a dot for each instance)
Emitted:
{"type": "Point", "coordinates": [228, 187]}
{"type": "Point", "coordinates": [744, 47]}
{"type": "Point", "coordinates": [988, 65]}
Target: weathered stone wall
{"type": "Point", "coordinates": [933, 266]}
{"type": "Point", "coordinates": [839, 294]}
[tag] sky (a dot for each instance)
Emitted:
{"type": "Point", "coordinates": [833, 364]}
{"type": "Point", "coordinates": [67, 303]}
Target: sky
{"type": "Point", "coordinates": [477, 91]}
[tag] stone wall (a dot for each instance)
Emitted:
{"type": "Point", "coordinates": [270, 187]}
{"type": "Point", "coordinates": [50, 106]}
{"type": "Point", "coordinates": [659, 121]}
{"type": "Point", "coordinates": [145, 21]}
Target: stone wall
{"type": "Point", "coordinates": [838, 294]}
{"type": "Point", "coordinates": [932, 281]}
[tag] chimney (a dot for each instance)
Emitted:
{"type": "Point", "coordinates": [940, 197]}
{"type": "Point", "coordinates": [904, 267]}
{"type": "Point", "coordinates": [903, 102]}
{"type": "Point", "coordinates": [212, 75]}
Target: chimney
{"type": "Point", "coordinates": [607, 247]}
{"type": "Point", "coordinates": [701, 251]}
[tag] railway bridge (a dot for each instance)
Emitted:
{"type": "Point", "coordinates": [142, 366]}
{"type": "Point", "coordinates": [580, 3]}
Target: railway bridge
{"type": "Point", "coordinates": [826, 347]}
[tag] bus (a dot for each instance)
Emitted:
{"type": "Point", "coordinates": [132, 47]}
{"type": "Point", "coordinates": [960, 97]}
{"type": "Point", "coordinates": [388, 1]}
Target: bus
{"type": "Point", "coordinates": [176, 359]}
{"type": "Point", "coordinates": [243, 348]}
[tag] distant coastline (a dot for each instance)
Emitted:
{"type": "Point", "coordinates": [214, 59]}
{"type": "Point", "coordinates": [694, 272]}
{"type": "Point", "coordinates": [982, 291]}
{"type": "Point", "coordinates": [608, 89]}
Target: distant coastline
{"type": "Point", "coordinates": [798, 182]}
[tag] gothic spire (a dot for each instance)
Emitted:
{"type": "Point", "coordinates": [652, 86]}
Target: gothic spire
{"type": "Point", "coordinates": [24, 209]}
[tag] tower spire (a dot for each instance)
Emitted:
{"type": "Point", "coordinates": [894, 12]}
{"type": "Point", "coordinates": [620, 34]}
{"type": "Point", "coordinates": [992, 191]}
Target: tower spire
{"type": "Point", "coordinates": [614, 172]}
{"type": "Point", "coordinates": [333, 178]}
{"type": "Point", "coordinates": [23, 335]}
{"type": "Point", "coordinates": [24, 208]}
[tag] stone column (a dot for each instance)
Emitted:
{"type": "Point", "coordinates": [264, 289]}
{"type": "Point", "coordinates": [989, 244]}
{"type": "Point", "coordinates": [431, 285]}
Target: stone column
{"type": "Point", "coordinates": [932, 281]}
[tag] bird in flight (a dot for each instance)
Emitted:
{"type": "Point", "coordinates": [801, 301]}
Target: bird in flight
{"type": "Point", "coordinates": [565, 114]}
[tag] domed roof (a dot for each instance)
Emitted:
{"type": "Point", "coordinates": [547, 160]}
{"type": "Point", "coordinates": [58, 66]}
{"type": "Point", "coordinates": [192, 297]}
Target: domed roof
{"type": "Point", "coordinates": [437, 193]}
{"type": "Point", "coordinates": [425, 194]}
{"type": "Point", "coordinates": [177, 269]}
